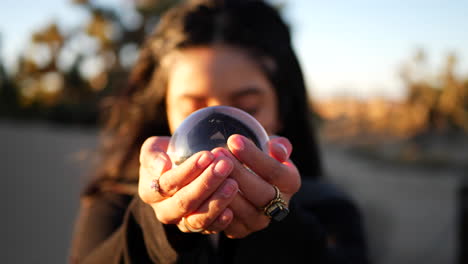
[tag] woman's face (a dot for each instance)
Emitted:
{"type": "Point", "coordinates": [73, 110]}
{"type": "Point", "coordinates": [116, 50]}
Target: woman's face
{"type": "Point", "coordinates": [219, 75]}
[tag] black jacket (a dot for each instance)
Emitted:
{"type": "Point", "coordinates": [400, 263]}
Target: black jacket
{"type": "Point", "coordinates": [323, 226]}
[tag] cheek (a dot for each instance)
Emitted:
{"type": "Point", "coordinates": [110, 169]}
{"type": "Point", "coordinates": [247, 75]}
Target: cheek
{"type": "Point", "coordinates": [174, 115]}
{"type": "Point", "coordinates": [179, 109]}
{"type": "Point", "coordinates": [171, 119]}
{"type": "Point", "coordinates": [270, 122]}
{"type": "Point", "coordinates": [269, 118]}
{"type": "Point", "coordinates": [174, 123]}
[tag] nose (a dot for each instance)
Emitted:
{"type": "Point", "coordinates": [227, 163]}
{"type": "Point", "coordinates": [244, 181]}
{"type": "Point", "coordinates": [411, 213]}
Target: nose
{"type": "Point", "coordinates": [215, 101]}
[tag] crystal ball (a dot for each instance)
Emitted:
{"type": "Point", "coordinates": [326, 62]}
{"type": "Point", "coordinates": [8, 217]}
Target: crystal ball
{"type": "Point", "coordinates": [210, 127]}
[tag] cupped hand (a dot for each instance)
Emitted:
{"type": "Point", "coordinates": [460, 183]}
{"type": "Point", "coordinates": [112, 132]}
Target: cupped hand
{"type": "Point", "coordinates": [256, 172]}
{"type": "Point", "coordinates": [199, 189]}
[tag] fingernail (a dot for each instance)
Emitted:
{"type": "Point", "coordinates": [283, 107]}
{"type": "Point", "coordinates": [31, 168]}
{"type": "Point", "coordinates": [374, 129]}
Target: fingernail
{"type": "Point", "coordinates": [219, 154]}
{"type": "Point", "coordinates": [204, 160]}
{"type": "Point", "coordinates": [238, 143]}
{"type": "Point", "coordinates": [282, 149]}
{"type": "Point", "coordinates": [159, 162]}
{"type": "Point", "coordinates": [228, 189]}
{"type": "Point", "coordinates": [222, 168]}
{"type": "Point", "coordinates": [225, 217]}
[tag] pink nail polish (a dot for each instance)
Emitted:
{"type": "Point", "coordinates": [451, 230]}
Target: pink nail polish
{"type": "Point", "coordinates": [159, 162]}
{"type": "Point", "coordinates": [228, 190]}
{"type": "Point", "coordinates": [220, 153]}
{"type": "Point", "coordinates": [238, 143]}
{"type": "Point", "coordinates": [222, 168]}
{"type": "Point", "coordinates": [204, 160]}
{"type": "Point", "coordinates": [225, 218]}
{"type": "Point", "coordinates": [283, 149]}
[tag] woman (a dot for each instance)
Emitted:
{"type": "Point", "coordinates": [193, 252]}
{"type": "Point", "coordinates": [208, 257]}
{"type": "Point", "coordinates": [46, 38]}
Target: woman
{"type": "Point", "coordinates": [211, 209]}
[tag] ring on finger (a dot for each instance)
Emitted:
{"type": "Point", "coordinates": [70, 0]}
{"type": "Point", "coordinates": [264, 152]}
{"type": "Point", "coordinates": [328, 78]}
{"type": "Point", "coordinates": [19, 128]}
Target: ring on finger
{"type": "Point", "coordinates": [277, 208]}
{"type": "Point", "coordinates": [156, 187]}
{"type": "Point", "coordinates": [190, 228]}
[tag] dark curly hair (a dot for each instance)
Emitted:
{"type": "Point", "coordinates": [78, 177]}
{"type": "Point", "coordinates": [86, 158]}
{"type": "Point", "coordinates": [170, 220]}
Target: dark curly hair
{"type": "Point", "coordinates": [138, 112]}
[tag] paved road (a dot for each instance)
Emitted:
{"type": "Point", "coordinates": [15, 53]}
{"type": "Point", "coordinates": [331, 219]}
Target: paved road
{"type": "Point", "coordinates": [41, 179]}
{"type": "Point", "coordinates": [410, 213]}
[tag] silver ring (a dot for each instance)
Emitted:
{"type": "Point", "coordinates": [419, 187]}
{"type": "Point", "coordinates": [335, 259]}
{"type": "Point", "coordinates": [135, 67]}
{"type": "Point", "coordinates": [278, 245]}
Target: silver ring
{"type": "Point", "coordinates": [189, 228]}
{"type": "Point", "coordinates": [155, 185]}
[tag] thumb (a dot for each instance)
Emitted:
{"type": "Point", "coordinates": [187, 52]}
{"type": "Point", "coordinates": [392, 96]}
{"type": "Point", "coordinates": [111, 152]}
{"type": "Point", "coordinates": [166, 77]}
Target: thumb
{"type": "Point", "coordinates": [280, 148]}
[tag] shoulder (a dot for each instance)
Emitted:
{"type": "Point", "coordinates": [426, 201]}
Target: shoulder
{"type": "Point", "coordinates": [99, 216]}
{"type": "Point", "coordinates": [104, 207]}
{"type": "Point", "coordinates": [108, 194]}
{"type": "Point", "coordinates": [327, 201]}
{"type": "Point", "coordinates": [318, 190]}
{"type": "Point", "coordinates": [339, 216]}
{"type": "Point", "coordinates": [106, 199]}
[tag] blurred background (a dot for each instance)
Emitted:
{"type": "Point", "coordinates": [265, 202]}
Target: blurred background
{"type": "Point", "coordinates": [389, 88]}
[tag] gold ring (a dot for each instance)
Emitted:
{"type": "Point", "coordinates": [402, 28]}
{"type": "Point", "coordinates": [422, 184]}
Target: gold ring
{"type": "Point", "coordinates": [277, 208]}
{"type": "Point", "coordinates": [189, 228]}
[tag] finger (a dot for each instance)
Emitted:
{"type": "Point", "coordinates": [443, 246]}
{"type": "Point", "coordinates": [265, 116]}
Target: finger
{"type": "Point", "coordinates": [175, 179]}
{"type": "Point", "coordinates": [284, 175]}
{"type": "Point", "coordinates": [222, 222]}
{"type": "Point", "coordinates": [280, 148]}
{"type": "Point", "coordinates": [160, 164]}
{"type": "Point", "coordinates": [190, 197]}
{"type": "Point", "coordinates": [247, 219]}
{"type": "Point", "coordinates": [236, 230]}
{"type": "Point", "coordinates": [169, 181]}
{"type": "Point", "coordinates": [153, 162]}
{"type": "Point", "coordinates": [251, 216]}
{"type": "Point", "coordinates": [253, 187]}
{"type": "Point", "coordinates": [206, 216]}
{"type": "Point", "coordinates": [150, 146]}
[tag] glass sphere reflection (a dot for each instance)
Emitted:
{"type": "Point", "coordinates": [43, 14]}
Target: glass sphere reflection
{"type": "Point", "coordinates": [210, 127]}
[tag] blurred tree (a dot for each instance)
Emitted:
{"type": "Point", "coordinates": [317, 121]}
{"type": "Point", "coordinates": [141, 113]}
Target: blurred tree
{"type": "Point", "coordinates": [8, 96]}
{"type": "Point", "coordinates": [441, 98]}
{"type": "Point", "coordinates": [63, 76]}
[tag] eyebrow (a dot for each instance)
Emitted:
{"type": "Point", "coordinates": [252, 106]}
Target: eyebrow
{"type": "Point", "coordinates": [251, 90]}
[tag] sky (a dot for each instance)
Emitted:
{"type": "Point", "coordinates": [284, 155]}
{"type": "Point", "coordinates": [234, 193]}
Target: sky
{"type": "Point", "coordinates": [346, 47]}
